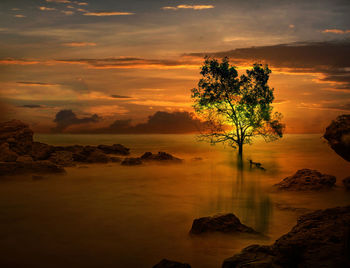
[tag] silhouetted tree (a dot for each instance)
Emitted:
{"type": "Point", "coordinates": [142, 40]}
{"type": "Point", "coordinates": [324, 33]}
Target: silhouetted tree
{"type": "Point", "coordinates": [236, 109]}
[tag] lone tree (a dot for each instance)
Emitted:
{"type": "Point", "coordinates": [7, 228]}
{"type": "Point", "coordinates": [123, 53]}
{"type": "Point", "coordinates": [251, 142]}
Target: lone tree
{"type": "Point", "coordinates": [236, 109]}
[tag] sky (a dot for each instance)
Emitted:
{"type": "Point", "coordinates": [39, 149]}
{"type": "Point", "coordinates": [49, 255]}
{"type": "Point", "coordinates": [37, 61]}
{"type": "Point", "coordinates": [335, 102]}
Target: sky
{"type": "Point", "coordinates": [129, 66]}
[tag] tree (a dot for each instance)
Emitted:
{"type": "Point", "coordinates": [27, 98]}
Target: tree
{"type": "Point", "coordinates": [236, 109]}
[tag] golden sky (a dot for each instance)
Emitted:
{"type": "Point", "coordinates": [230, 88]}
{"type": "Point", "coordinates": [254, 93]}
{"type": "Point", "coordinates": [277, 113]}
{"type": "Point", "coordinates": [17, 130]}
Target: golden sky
{"type": "Point", "coordinates": [126, 60]}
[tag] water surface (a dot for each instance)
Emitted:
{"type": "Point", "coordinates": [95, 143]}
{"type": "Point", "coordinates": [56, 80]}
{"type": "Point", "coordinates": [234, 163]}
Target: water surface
{"type": "Point", "coordinates": [110, 215]}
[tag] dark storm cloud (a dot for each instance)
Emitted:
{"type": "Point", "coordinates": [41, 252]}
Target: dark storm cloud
{"type": "Point", "coordinates": [66, 118]}
{"type": "Point", "coordinates": [36, 83]}
{"type": "Point", "coordinates": [332, 59]}
{"type": "Point", "coordinates": [31, 106]}
{"type": "Point", "coordinates": [160, 122]}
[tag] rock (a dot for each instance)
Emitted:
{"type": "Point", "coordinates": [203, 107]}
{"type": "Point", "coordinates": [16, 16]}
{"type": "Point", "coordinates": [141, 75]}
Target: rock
{"type": "Point", "coordinates": [25, 159]}
{"type": "Point", "coordinates": [97, 156]}
{"type": "Point", "coordinates": [161, 156]}
{"type": "Point", "coordinates": [114, 149]}
{"type": "Point", "coordinates": [18, 135]}
{"type": "Point", "coordinates": [62, 158]}
{"type": "Point", "coordinates": [41, 167]}
{"type": "Point", "coordinates": [338, 136]}
{"type": "Point", "coordinates": [41, 151]}
{"type": "Point", "coordinates": [227, 223]}
{"type": "Point", "coordinates": [320, 239]}
{"type": "Point", "coordinates": [171, 264]}
{"type": "Point", "coordinates": [346, 183]}
{"type": "Point", "coordinates": [89, 154]}
{"type": "Point", "coordinates": [307, 179]}
{"type": "Point", "coordinates": [115, 159]}
{"type": "Point", "coordinates": [131, 161]}
{"type": "Point", "coordinates": [6, 154]}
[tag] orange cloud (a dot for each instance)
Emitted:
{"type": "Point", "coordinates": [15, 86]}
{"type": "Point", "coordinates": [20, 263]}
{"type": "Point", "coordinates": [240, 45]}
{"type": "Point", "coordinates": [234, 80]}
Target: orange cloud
{"type": "Point", "coordinates": [336, 31]}
{"type": "Point", "coordinates": [194, 7]}
{"type": "Point", "coordinates": [47, 8]}
{"type": "Point", "coordinates": [20, 16]}
{"type": "Point", "coordinates": [79, 44]}
{"type": "Point", "coordinates": [102, 14]}
{"type": "Point", "coordinates": [59, 1]}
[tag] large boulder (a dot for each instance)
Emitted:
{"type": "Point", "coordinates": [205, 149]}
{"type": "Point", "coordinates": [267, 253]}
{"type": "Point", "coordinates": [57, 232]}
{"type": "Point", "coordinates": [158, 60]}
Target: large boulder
{"type": "Point", "coordinates": [161, 156]}
{"type": "Point", "coordinates": [114, 149]}
{"type": "Point", "coordinates": [29, 167]}
{"type": "Point", "coordinates": [18, 135]}
{"type": "Point", "coordinates": [41, 151]}
{"type": "Point", "coordinates": [320, 239]}
{"type": "Point", "coordinates": [171, 264]}
{"type": "Point", "coordinates": [227, 223]}
{"type": "Point", "coordinates": [338, 136]}
{"type": "Point", "coordinates": [307, 179]}
{"type": "Point", "coordinates": [6, 154]}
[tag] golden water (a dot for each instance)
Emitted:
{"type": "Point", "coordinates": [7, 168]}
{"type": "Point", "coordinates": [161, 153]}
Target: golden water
{"type": "Point", "coordinates": [110, 215]}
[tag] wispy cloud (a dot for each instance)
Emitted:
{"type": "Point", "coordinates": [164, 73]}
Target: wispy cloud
{"type": "Point", "coordinates": [336, 31]}
{"type": "Point", "coordinates": [120, 97]}
{"type": "Point", "coordinates": [59, 1]}
{"type": "Point", "coordinates": [106, 13]}
{"type": "Point", "coordinates": [19, 16]}
{"type": "Point", "coordinates": [47, 8]}
{"type": "Point", "coordinates": [194, 7]}
{"type": "Point", "coordinates": [79, 44]}
{"type": "Point", "coordinates": [67, 12]}
{"type": "Point", "coordinates": [35, 83]}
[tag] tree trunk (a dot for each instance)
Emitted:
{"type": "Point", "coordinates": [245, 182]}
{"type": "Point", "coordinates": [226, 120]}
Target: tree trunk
{"type": "Point", "coordinates": [240, 149]}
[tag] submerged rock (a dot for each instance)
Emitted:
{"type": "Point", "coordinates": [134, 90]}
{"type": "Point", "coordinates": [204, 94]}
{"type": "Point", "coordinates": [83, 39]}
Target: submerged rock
{"type": "Point", "coordinates": [131, 161]}
{"type": "Point", "coordinates": [338, 136]}
{"type": "Point", "coordinates": [161, 156]}
{"type": "Point", "coordinates": [114, 149]}
{"type": "Point", "coordinates": [18, 136]}
{"type": "Point", "coordinates": [227, 223]}
{"type": "Point", "coordinates": [35, 167]}
{"type": "Point", "coordinates": [307, 179]}
{"type": "Point", "coordinates": [63, 158]}
{"type": "Point", "coordinates": [171, 264]}
{"type": "Point", "coordinates": [41, 151]}
{"type": "Point", "coordinates": [346, 183]}
{"type": "Point", "coordinates": [320, 239]}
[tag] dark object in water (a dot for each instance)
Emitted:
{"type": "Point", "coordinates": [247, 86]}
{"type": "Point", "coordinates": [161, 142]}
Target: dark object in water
{"type": "Point", "coordinates": [256, 164]}
{"type": "Point", "coordinates": [320, 239]}
{"type": "Point", "coordinates": [131, 161]}
{"type": "Point", "coordinates": [171, 264]}
{"type": "Point", "coordinates": [161, 156]}
{"type": "Point", "coordinates": [227, 223]}
{"type": "Point", "coordinates": [307, 179]}
{"type": "Point", "coordinates": [338, 136]}
{"type": "Point", "coordinates": [346, 183]}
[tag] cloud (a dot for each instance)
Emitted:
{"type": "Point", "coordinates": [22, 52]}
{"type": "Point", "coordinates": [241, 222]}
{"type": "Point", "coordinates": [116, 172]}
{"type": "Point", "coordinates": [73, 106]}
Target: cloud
{"type": "Point", "coordinates": [340, 107]}
{"type": "Point", "coordinates": [67, 12]}
{"type": "Point", "coordinates": [194, 7]}
{"type": "Point", "coordinates": [106, 13]}
{"type": "Point", "coordinates": [336, 31]}
{"type": "Point", "coordinates": [66, 118]}
{"type": "Point", "coordinates": [330, 61]}
{"type": "Point", "coordinates": [36, 83]}
{"type": "Point", "coordinates": [120, 97]}
{"type": "Point", "coordinates": [59, 1]}
{"type": "Point", "coordinates": [19, 16]}
{"type": "Point", "coordinates": [47, 8]}
{"type": "Point", "coordinates": [31, 106]}
{"type": "Point", "coordinates": [79, 44]}
{"type": "Point", "coordinates": [160, 122]}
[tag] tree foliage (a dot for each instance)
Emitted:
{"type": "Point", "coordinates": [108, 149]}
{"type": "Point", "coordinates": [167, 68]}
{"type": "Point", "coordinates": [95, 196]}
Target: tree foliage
{"type": "Point", "coordinates": [236, 108]}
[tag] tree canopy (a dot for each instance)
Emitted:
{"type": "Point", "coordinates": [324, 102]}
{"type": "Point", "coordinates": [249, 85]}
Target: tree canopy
{"type": "Point", "coordinates": [236, 108]}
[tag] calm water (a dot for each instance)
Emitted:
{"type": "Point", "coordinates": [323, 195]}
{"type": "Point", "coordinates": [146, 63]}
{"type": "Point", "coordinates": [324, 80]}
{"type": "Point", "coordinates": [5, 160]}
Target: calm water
{"type": "Point", "coordinates": [115, 216]}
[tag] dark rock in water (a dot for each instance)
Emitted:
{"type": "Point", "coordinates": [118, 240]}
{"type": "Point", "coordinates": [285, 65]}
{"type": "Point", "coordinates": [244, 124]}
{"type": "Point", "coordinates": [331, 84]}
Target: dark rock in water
{"type": "Point", "coordinates": [115, 159]}
{"type": "Point", "coordinates": [41, 167]}
{"type": "Point", "coordinates": [114, 149]}
{"type": "Point", "coordinates": [6, 154]}
{"type": "Point", "coordinates": [171, 264]}
{"type": "Point", "coordinates": [89, 154]}
{"type": "Point", "coordinates": [161, 156]}
{"type": "Point", "coordinates": [131, 161]}
{"type": "Point", "coordinates": [307, 179]}
{"type": "Point", "coordinates": [97, 156]}
{"type": "Point", "coordinates": [346, 183]}
{"type": "Point", "coordinates": [320, 239]}
{"type": "Point", "coordinates": [18, 135]}
{"type": "Point", "coordinates": [62, 158]}
{"type": "Point", "coordinates": [227, 223]}
{"type": "Point", "coordinates": [25, 159]}
{"type": "Point", "coordinates": [41, 151]}
{"type": "Point", "coordinates": [338, 136]}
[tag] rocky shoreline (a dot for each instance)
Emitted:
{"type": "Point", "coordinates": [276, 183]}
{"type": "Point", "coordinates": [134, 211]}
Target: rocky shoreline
{"type": "Point", "coordinates": [20, 154]}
